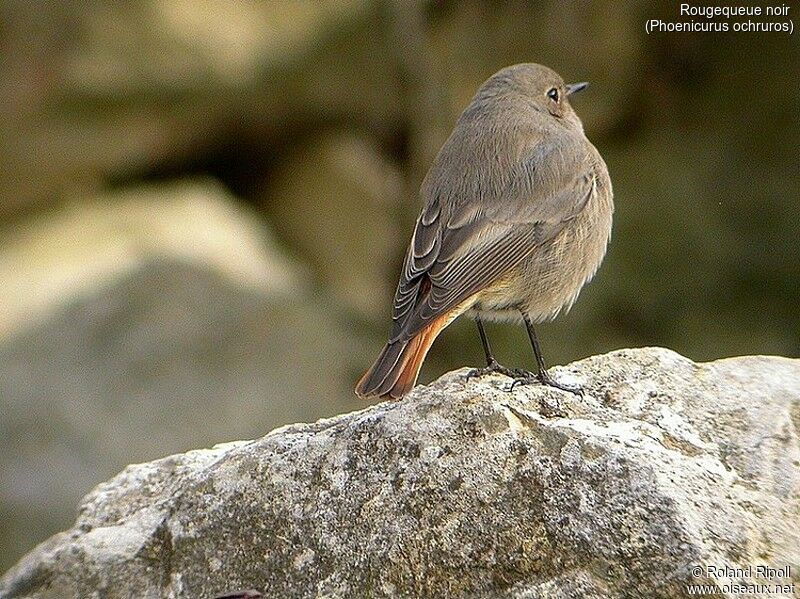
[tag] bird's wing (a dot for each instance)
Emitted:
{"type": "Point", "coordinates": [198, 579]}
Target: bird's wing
{"type": "Point", "coordinates": [458, 250]}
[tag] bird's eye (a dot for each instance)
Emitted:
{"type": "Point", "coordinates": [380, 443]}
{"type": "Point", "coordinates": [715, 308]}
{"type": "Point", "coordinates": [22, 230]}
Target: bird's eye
{"type": "Point", "coordinates": [553, 94]}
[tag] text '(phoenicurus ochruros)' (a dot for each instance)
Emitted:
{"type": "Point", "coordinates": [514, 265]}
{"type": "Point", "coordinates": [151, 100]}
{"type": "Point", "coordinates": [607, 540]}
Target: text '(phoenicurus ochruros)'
{"type": "Point", "coordinates": [516, 219]}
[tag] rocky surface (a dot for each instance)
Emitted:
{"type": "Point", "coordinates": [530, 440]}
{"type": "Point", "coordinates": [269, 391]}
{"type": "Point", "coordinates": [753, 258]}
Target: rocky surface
{"type": "Point", "coordinates": [465, 489]}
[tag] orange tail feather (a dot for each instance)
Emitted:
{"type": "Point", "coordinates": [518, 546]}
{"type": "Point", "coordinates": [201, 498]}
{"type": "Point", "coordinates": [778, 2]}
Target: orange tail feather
{"type": "Point", "coordinates": [395, 371]}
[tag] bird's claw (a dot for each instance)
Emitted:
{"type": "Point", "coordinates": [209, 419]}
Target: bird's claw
{"type": "Point", "coordinates": [512, 373]}
{"type": "Point", "coordinates": [546, 380]}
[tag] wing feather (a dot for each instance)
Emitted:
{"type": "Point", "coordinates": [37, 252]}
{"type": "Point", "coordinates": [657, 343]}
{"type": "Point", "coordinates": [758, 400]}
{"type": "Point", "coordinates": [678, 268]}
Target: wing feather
{"type": "Point", "coordinates": [457, 250]}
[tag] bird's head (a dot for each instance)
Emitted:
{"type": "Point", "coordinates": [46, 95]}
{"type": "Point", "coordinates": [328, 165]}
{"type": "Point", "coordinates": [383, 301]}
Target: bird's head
{"type": "Point", "coordinates": [536, 86]}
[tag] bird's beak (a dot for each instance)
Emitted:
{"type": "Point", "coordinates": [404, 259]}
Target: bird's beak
{"type": "Point", "coordinates": [574, 88]}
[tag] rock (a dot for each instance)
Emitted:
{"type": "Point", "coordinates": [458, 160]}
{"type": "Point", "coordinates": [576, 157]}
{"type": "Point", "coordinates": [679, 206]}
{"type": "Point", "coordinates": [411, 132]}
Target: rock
{"type": "Point", "coordinates": [56, 258]}
{"type": "Point", "coordinates": [171, 356]}
{"type": "Point", "coordinates": [465, 490]}
{"type": "Point", "coordinates": [150, 322]}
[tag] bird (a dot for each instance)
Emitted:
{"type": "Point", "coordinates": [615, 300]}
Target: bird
{"type": "Point", "coordinates": [516, 218]}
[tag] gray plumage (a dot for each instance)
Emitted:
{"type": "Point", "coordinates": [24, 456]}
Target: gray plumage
{"type": "Point", "coordinates": [516, 217]}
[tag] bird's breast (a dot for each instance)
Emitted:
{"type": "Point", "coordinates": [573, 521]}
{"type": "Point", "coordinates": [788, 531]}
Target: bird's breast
{"type": "Point", "coordinates": [550, 279]}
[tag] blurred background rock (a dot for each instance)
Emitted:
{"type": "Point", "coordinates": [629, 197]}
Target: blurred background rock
{"type": "Point", "coordinates": [203, 208]}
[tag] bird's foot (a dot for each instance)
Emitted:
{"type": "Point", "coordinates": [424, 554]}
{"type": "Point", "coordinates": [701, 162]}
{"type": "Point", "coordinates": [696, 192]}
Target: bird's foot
{"type": "Point", "coordinates": [544, 379]}
{"type": "Point", "coordinates": [495, 366]}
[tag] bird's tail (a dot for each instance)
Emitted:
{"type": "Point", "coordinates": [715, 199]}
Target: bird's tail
{"type": "Point", "coordinates": [395, 371]}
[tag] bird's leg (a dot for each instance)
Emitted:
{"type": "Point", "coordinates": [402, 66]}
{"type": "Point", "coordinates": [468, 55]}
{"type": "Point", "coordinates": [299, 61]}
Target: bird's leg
{"type": "Point", "coordinates": [543, 376]}
{"type": "Point", "coordinates": [492, 365]}
{"type": "Point", "coordinates": [487, 349]}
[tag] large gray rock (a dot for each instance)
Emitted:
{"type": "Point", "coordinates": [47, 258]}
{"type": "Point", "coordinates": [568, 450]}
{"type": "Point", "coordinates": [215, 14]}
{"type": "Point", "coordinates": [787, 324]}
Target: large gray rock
{"type": "Point", "coordinates": [466, 489]}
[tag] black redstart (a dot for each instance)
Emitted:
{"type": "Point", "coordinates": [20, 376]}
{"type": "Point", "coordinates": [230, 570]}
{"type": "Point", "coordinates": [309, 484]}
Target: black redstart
{"type": "Point", "coordinates": [516, 219]}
